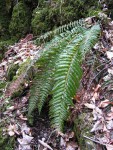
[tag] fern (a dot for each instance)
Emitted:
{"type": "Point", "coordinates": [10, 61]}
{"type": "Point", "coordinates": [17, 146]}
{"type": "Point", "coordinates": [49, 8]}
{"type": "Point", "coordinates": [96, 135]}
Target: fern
{"type": "Point", "coordinates": [67, 76]}
{"type": "Point", "coordinates": [78, 25]}
{"type": "Point", "coordinates": [52, 51]}
{"type": "Point", "coordinates": [59, 72]}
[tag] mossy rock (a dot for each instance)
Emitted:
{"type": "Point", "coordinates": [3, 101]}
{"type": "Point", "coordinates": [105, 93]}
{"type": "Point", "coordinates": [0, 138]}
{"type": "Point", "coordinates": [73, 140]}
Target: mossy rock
{"type": "Point", "coordinates": [82, 127]}
{"type": "Point", "coordinates": [2, 86]}
{"type": "Point", "coordinates": [20, 21]}
{"type": "Point", "coordinates": [4, 47]}
{"type": "Point", "coordinates": [40, 21]}
{"type": "Point", "coordinates": [12, 71]}
{"type": "Point", "coordinates": [6, 142]}
{"type": "Point", "coordinates": [4, 20]}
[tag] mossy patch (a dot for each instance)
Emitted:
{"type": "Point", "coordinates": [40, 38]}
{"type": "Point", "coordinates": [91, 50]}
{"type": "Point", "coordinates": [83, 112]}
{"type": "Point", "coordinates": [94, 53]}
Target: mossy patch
{"type": "Point", "coordinates": [47, 17]}
{"type": "Point", "coordinates": [6, 142]}
{"type": "Point", "coordinates": [12, 71]}
{"type": "Point", "coordinates": [20, 21]}
{"type": "Point", "coordinates": [4, 47]}
{"type": "Point", "coordinates": [2, 86]}
{"type": "Point", "coordinates": [82, 127]}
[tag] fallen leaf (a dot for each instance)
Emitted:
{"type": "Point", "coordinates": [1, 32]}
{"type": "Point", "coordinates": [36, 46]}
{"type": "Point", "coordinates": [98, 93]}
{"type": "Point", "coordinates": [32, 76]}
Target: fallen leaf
{"type": "Point", "coordinates": [71, 146]}
{"type": "Point", "coordinates": [22, 117]}
{"type": "Point", "coordinates": [11, 108]}
{"type": "Point", "coordinates": [109, 147]}
{"type": "Point", "coordinates": [26, 140]}
{"type": "Point", "coordinates": [110, 71]}
{"type": "Point", "coordinates": [90, 106]}
{"type": "Point", "coordinates": [104, 103]}
{"type": "Point", "coordinates": [11, 133]}
{"type": "Point", "coordinates": [12, 129]}
{"type": "Point", "coordinates": [110, 124]}
{"type": "Point", "coordinates": [62, 142]}
{"type": "Point", "coordinates": [109, 55]}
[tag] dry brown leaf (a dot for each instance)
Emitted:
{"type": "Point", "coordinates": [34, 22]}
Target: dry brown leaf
{"type": "Point", "coordinates": [110, 124]}
{"type": "Point", "coordinates": [110, 71]}
{"type": "Point", "coordinates": [111, 109]}
{"type": "Point", "coordinates": [22, 117]}
{"type": "Point", "coordinates": [104, 103]}
{"type": "Point", "coordinates": [12, 129]}
{"type": "Point", "coordinates": [71, 146]}
{"type": "Point", "coordinates": [109, 116]}
{"type": "Point", "coordinates": [109, 55]}
{"type": "Point", "coordinates": [109, 147]}
{"type": "Point", "coordinates": [90, 106]}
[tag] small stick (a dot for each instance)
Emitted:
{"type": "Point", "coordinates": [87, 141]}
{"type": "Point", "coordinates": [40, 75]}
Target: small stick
{"type": "Point", "coordinates": [91, 139]}
{"type": "Point", "coordinates": [45, 144]}
{"type": "Point", "coordinates": [50, 135]}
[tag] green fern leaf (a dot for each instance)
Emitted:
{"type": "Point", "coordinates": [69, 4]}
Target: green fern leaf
{"type": "Point", "coordinates": [59, 71]}
{"type": "Point", "coordinates": [67, 76]}
{"type": "Point", "coordinates": [49, 56]}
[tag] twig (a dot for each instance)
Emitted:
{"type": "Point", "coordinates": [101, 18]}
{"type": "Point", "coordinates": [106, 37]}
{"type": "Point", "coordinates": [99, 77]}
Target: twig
{"type": "Point", "coordinates": [50, 135]}
{"type": "Point", "coordinates": [91, 139]}
{"type": "Point", "coordinates": [45, 144]}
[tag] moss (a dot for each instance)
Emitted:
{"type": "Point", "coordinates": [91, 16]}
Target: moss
{"type": "Point", "coordinates": [22, 68]}
{"type": "Point", "coordinates": [48, 17]}
{"type": "Point", "coordinates": [18, 92]}
{"type": "Point", "coordinates": [20, 21]}
{"type": "Point", "coordinates": [6, 142]}
{"type": "Point", "coordinates": [4, 47]}
{"type": "Point", "coordinates": [2, 86]}
{"type": "Point", "coordinates": [40, 21]}
{"type": "Point", "coordinates": [82, 126]}
{"type": "Point", "coordinates": [12, 71]}
{"type": "Point", "coordinates": [4, 20]}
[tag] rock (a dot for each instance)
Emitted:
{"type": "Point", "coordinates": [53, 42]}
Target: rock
{"type": "Point", "coordinates": [82, 127]}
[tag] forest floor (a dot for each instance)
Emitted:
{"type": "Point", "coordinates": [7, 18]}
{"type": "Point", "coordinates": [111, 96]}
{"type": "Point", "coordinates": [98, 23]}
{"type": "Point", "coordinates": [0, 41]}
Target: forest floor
{"type": "Point", "coordinates": [95, 96]}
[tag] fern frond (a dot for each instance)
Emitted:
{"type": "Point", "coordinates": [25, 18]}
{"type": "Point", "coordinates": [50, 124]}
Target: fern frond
{"type": "Point", "coordinates": [43, 80]}
{"type": "Point", "coordinates": [47, 61]}
{"type": "Point", "coordinates": [59, 71]}
{"type": "Point", "coordinates": [78, 25]}
{"type": "Point", "coordinates": [67, 76]}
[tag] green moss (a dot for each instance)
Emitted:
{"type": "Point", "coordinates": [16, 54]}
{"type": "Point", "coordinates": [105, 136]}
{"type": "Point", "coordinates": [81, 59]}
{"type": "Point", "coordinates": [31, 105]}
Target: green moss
{"type": "Point", "coordinates": [47, 17]}
{"type": "Point", "coordinates": [18, 92]}
{"type": "Point", "coordinates": [82, 127]}
{"type": "Point", "coordinates": [4, 47]}
{"type": "Point", "coordinates": [22, 68]}
{"type": "Point", "coordinates": [40, 20]}
{"type": "Point", "coordinates": [20, 21]}
{"type": "Point", "coordinates": [12, 71]}
{"type": "Point", "coordinates": [4, 20]}
{"type": "Point", "coordinates": [6, 142]}
{"type": "Point", "coordinates": [2, 86]}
